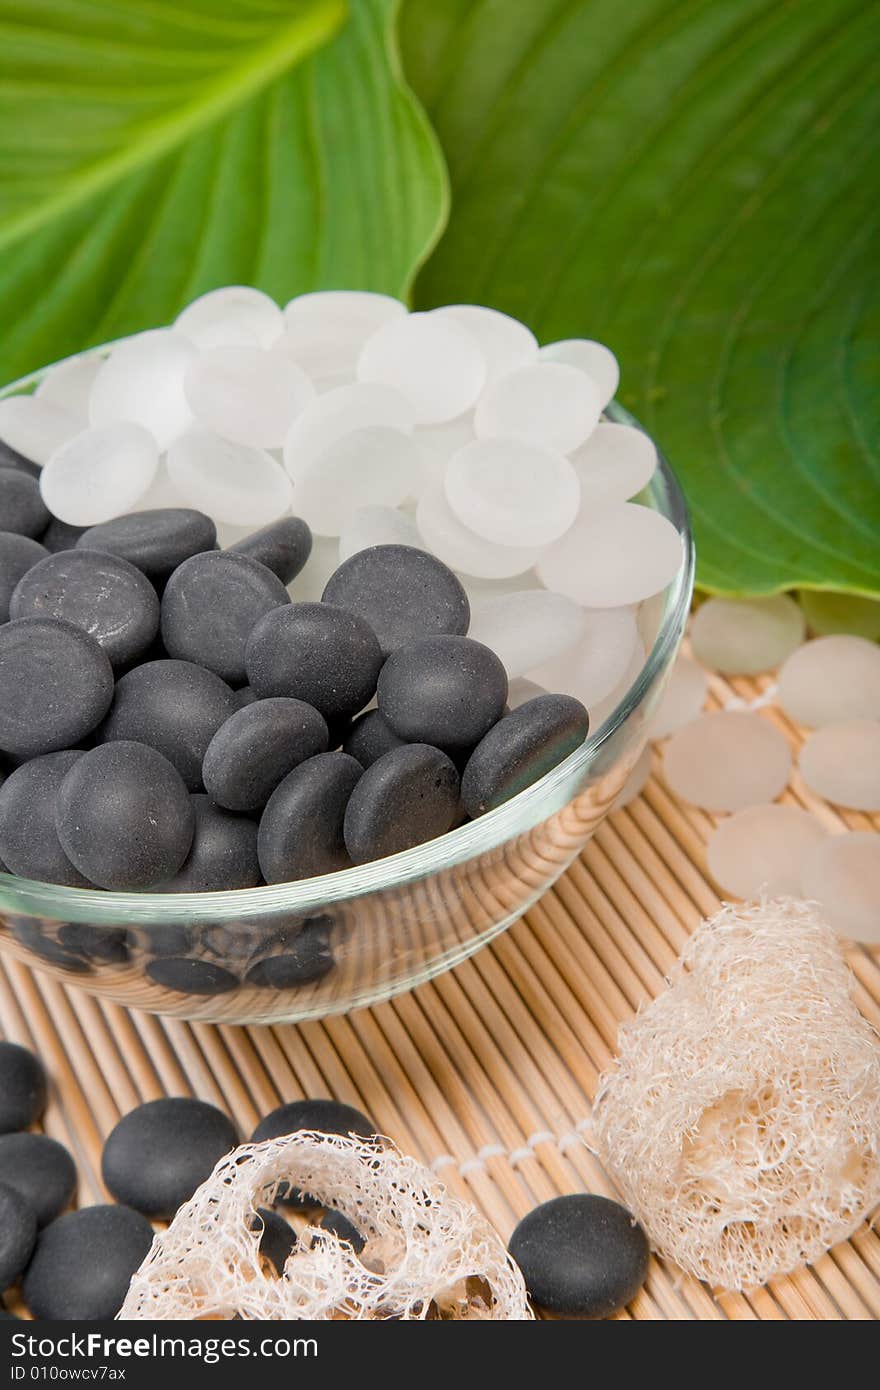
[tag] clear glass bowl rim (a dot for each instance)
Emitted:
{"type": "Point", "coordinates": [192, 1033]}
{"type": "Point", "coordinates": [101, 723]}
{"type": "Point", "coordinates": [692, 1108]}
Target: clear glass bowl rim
{"type": "Point", "coordinates": [301, 897]}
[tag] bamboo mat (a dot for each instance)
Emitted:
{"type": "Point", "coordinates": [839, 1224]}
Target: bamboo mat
{"type": "Point", "coordinates": [486, 1072]}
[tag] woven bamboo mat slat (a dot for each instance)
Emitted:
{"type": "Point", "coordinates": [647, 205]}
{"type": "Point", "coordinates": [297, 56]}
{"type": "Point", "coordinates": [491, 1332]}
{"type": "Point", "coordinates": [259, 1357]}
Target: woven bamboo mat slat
{"type": "Point", "coordinates": [488, 1071]}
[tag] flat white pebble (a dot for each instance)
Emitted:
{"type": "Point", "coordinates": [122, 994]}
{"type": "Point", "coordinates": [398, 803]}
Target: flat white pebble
{"type": "Point", "coordinates": [375, 525]}
{"type": "Point", "coordinates": [236, 315]}
{"type": "Point", "coordinates": [463, 550]}
{"type": "Point", "coordinates": [369, 465]}
{"type": "Point", "coordinates": [828, 613]}
{"type": "Point", "coordinates": [636, 781]}
{"type": "Point", "coordinates": [311, 581]}
{"type": "Point", "coordinates": [521, 689]}
{"type": "Point", "coordinates": [593, 668]}
{"type": "Point", "coordinates": [504, 341]}
{"type": "Point", "coordinates": [831, 679]}
{"type": "Point", "coordinates": [35, 427]}
{"type": "Point", "coordinates": [547, 403]}
{"type": "Point", "coordinates": [431, 360]}
{"type": "Point", "coordinates": [841, 762]}
{"type": "Point", "coordinates": [247, 394]}
{"type": "Point", "coordinates": [69, 384]}
{"type": "Point", "coordinates": [763, 849]}
{"type": "Point", "coordinates": [338, 413]}
{"type": "Point", "coordinates": [843, 876]}
{"type": "Point", "coordinates": [602, 709]}
{"type": "Point", "coordinates": [99, 474]}
{"type": "Point", "coordinates": [232, 482]}
{"type": "Point", "coordinates": [325, 330]}
{"type": "Point", "coordinates": [742, 637]}
{"type": "Point", "coordinates": [527, 628]}
{"type": "Point", "coordinates": [727, 760]}
{"type": "Point", "coordinates": [512, 492]}
{"type": "Point", "coordinates": [141, 382]}
{"type": "Point", "coordinates": [437, 444]}
{"type": "Point", "coordinates": [682, 700]}
{"type": "Point", "coordinates": [597, 360]}
{"type": "Point", "coordinates": [481, 590]}
{"type": "Point", "coordinates": [614, 555]}
{"type": "Point", "coordinates": [614, 464]}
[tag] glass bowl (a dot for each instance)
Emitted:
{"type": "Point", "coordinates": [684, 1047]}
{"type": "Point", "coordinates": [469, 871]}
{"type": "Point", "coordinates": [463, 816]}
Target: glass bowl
{"type": "Point", "coordinates": [326, 945]}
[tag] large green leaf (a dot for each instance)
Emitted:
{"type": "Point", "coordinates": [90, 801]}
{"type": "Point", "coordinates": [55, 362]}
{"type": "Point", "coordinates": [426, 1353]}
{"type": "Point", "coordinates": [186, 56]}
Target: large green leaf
{"type": "Point", "coordinates": [153, 149]}
{"type": "Point", "coordinates": [697, 183]}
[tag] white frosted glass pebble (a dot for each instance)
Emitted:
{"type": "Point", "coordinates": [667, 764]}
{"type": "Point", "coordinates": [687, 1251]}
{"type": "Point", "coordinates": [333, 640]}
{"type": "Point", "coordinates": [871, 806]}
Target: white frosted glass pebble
{"type": "Point", "coordinates": [831, 679]}
{"type": "Point", "coordinates": [432, 360]}
{"type": "Point", "coordinates": [588, 356]}
{"type": "Point", "coordinates": [682, 700]}
{"type": "Point", "coordinates": [512, 492]}
{"type": "Point", "coordinates": [527, 628]}
{"type": "Point", "coordinates": [329, 418]}
{"type": "Point", "coordinates": [614, 464]}
{"type": "Point", "coordinates": [161, 493]}
{"type": "Point", "coordinates": [464, 550]}
{"type": "Point", "coordinates": [36, 427]}
{"type": "Point", "coordinates": [437, 444]}
{"type": "Point", "coordinates": [69, 384]}
{"type": "Point", "coordinates": [636, 781]}
{"type": "Point", "coordinates": [236, 315]}
{"type": "Point", "coordinates": [142, 382]}
{"type": "Point", "coordinates": [504, 341]}
{"type": "Point", "coordinates": [521, 689]}
{"type": "Point", "coordinates": [842, 763]}
{"type": "Point", "coordinates": [593, 668]}
{"type": "Point", "coordinates": [827, 613]}
{"type": "Point", "coordinates": [247, 394]}
{"type": "Point", "coordinates": [482, 590]}
{"type": "Point", "coordinates": [100, 473]}
{"type": "Point", "coordinates": [727, 760]}
{"type": "Point", "coordinates": [235, 483]}
{"type": "Point", "coordinates": [741, 637]}
{"type": "Point", "coordinates": [325, 331]}
{"type": "Point", "coordinates": [603, 709]}
{"type": "Point", "coordinates": [546, 402]}
{"type": "Point", "coordinates": [763, 849]}
{"type": "Point", "coordinates": [370, 465]}
{"type": "Point", "coordinates": [649, 618]}
{"type": "Point", "coordinates": [615, 555]}
{"type": "Point", "coordinates": [843, 876]}
{"type": "Point", "coordinates": [312, 579]}
{"type": "Point", "coordinates": [376, 525]}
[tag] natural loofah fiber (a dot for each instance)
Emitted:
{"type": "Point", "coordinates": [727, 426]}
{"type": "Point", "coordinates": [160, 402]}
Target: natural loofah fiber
{"type": "Point", "coordinates": [427, 1254]}
{"type": "Point", "coordinates": [742, 1116]}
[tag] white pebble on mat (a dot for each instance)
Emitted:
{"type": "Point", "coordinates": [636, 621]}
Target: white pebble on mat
{"type": "Point", "coordinates": [547, 403]}
{"type": "Point", "coordinates": [99, 474]}
{"type": "Point", "coordinates": [141, 382]}
{"type": "Point", "coordinates": [636, 781]}
{"type": "Point", "coordinates": [614, 555]}
{"type": "Point", "coordinates": [843, 876]}
{"type": "Point", "coordinates": [763, 849]}
{"type": "Point", "coordinates": [726, 761]}
{"type": "Point", "coordinates": [831, 679]}
{"type": "Point", "coordinates": [742, 637]}
{"type": "Point", "coordinates": [841, 762]}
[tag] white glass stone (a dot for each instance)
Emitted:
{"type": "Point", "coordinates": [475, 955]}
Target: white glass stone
{"type": "Point", "coordinates": [512, 492]}
{"type": "Point", "coordinates": [464, 550]}
{"type": "Point", "coordinates": [69, 385]}
{"type": "Point", "coordinates": [602, 709]}
{"type": "Point", "coordinates": [233, 483]}
{"type": "Point", "coordinates": [520, 690]}
{"type": "Point", "coordinates": [841, 762]}
{"type": "Point", "coordinates": [161, 493]}
{"type": "Point", "coordinates": [831, 679]}
{"type": "Point", "coordinates": [595, 359]}
{"type": "Point", "coordinates": [636, 781]}
{"type": "Point", "coordinates": [843, 877]}
{"type": "Point", "coordinates": [142, 382]}
{"type": "Point", "coordinates": [504, 341]}
{"type": "Point", "coordinates": [482, 590]}
{"type": "Point", "coordinates": [726, 761]}
{"type": "Point", "coordinates": [828, 613]}
{"type": "Point", "coordinates": [762, 849]}
{"type": "Point", "coordinates": [375, 465]}
{"type": "Point", "coordinates": [338, 413]}
{"type": "Point", "coordinates": [682, 700]}
{"type": "Point", "coordinates": [35, 427]}
{"type": "Point", "coordinates": [547, 403]}
{"type": "Point", "coordinates": [235, 316]}
{"type": "Point", "coordinates": [527, 628]}
{"type": "Point", "coordinates": [247, 394]}
{"type": "Point", "coordinates": [614, 555]}
{"type": "Point", "coordinates": [595, 666]}
{"type": "Point", "coordinates": [377, 525]}
{"type": "Point", "coordinates": [311, 581]}
{"type": "Point", "coordinates": [614, 464]}
{"type": "Point", "coordinates": [325, 331]}
{"type": "Point", "coordinates": [742, 637]}
{"type": "Point", "coordinates": [432, 360]}
{"type": "Point", "coordinates": [100, 473]}
{"type": "Point", "coordinates": [437, 444]}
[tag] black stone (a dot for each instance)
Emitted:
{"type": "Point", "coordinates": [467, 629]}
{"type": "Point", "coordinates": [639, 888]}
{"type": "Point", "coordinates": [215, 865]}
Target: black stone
{"type": "Point", "coordinates": [22, 509]}
{"type": "Point", "coordinates": [155, 542]}
{"type": "Point", "coordinates": [61, 535]}
{"type": "Point", "coordinates": [159, 1153]}
{"type": "Point", "coordinates": [187, 976]}
{"type": "Point", "coordinates": [160, 939]}
{"type": "Point", "coordinates": [245, 696]}
{"type": "Point", "coordinates": [521, 748]}
{"type": "Point", "coordinates": [301, 829]}
{"type": "Point", "coordinates": [369, 737]}
{"type": "Point", "coordinates": [56, 685]}
{"type": "Point", "coordinates": [311, 651]}
{"type": "Point", "coordinates": [284, 547]}
{"type": "Point", "coordinates": [278, 1240]}
{"type": "Point", "coordinates": [18, 1234]}
{"type": "Point", "coordinates": [41, 1170]}
{"type": "Point", "coordinates": [403, 593]}
{"type": "Point", "coordinates": [408, 796]}
{"type": "Point", "coordinates": [29, 842]}
{"type": "Point", "coordinates": [83, 1264]}
{"type": "Point", "coordinates": [23, 1087]}
{"type": "Point", "coordinates": [343, 1229]}
{"type": "Point", "coordinates": [18, 554]}
{"type": "Point", "coordinates": [27, 931]}
{"type": "Point", "coordinates": [446, 691]}
{"type": "Point", "coordinates": [223, 853]}
{"type": "Point", "coordinates": [308, 958]}
{"type": "Point", "coordinates": [324, 1116]}
{"type": "Point", "coordinates": [97, 945]}
{"type": "Point", "coordinates": [256, 748]}
{"type": "Point", "coordinates": [124, 817]}
{"type": "Point", "coordinates": [581, 1256]}
{"type": "Point", "coordinates": [211, 604]}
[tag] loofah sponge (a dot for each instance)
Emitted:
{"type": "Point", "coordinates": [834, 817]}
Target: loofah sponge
{"type": "Point", "coordinates": [742, 1117]}
{"type": "Point", "coordinates": [427, 1254]}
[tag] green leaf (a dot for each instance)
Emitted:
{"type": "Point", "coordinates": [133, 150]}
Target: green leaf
{"type": "Point", "coordinates": [695, 182]}
{"type": "Point", "coordinates": [153, 149]}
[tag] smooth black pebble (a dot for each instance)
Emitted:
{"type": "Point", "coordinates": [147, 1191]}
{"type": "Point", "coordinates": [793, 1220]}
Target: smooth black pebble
{"type": "Point", "coordinates": [369, 737]}
{"type": "Point", "coordinates": [325, 1116]}
{"type": "Point", "coordinates": [159, 1153]}
{"type": "Point", "coordinates": [408, 796]}
{"type": "Point", "coordinates": [22, 508]}
{"type": "Point", "coordinates": [284, 547]}
{"type": "Point", "coordinates": [210, 606]}
{"type": "Point", "coordinates": [581, 1256]}
{"type": "Point", "coordinates": [311, 651]}
{"type": "Point", "coordinates": [28, 932]}
{"type": "Point", "coordinates": [18, 554]}
{"type": "Point", "coordinates": [223, 854]}
{"type": "Point", "coordinates": [23, 1087]}
{"type": "Point", "coordinates": [175, 707]}
{"type": "Point", "coordinates": [29, 842]}
{"type": "Point", "coordinates": [343, 1229]}
{"type": "Point", "coordinates": [447, 691]}
{"type": "Point", "coordinates": [124, 817]}
{"type": "Point", "coordinates": [105, 596]}
{"type": "Point", "coordinates": [83, 1264]}
{"type": "Point", "coordinates": [308, 958]}
{"type": "Point", "coordinates": [61, 535]}
{"type": "Point", "coordinates": [186, 975]}
{"type": "Point", "coordinates": [56, 685]}
{"type": "Point", "coordinates": [521, 748]}
{"type": "Point", "coordinates": [403, 593]}
{"type": "Point", "coordinates": [41, 1170]}
{"type": "Point", "coordinates": [96, 945]}
{"type": "Point", "coordinates": [18, 1234]}
{"type": "Point", "coordinates": [256, 748]}
{"type": "Point", "coordinates": [155, 542]}
{"type": "Point", "coordinates": [301, 829]}
{"type": "Point", "coordinates": [278, 1239]}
